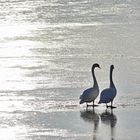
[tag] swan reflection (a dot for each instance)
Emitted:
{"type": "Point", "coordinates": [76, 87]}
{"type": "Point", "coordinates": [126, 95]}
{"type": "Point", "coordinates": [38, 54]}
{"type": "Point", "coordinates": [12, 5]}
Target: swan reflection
{"type": "Point", "coordinates": [92, 117]}
{"type": "Point", "coordinates": [110, 119]}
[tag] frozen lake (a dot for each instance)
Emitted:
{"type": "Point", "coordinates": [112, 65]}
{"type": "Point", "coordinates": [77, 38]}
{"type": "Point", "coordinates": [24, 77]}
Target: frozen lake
{"type": "Point", "coordinates": [47, 49]}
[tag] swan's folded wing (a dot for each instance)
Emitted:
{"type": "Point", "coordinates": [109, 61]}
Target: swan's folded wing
{"type": "Point", "coordinates": [107, 95]}
{"type": "Point", "coordinates": [86, 96]}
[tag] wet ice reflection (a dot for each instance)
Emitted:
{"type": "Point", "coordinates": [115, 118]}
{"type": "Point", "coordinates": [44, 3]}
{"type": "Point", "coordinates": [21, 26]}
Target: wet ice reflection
{"type": "Point", "coordinates": [109, 119]}
{"type": "Point", "coordinates": [92, 117]}
{"type": "Point", "coordinates": [105, 117]}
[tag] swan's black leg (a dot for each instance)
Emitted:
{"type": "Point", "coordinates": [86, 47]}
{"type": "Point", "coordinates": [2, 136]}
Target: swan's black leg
{"type": "Point", "coordinates": [112, 105]}
{"type": "Point", "coordinates": [94, 104]}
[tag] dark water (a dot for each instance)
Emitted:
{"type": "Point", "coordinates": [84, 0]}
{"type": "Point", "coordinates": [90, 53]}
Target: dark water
{"type": "Point", "coordinates": [47, 49]}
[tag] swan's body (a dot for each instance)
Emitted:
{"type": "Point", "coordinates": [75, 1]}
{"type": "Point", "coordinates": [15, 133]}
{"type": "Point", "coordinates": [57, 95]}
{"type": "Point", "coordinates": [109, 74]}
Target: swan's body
{"type": "Point", "coordinates": [90, 94]}
{"type": "Point", "coordinates": [108, 94]}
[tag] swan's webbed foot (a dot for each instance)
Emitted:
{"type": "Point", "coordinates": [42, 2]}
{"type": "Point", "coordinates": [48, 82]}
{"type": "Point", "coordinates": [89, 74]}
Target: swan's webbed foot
{"type": "Point", "coordinates": [87, 105]}
{"type": "Point", "coordinates": [95, 105]}
{"type": "Point", "coordinates": [109, 106]}
{"type": "Point", "coordinates": [113, 107]}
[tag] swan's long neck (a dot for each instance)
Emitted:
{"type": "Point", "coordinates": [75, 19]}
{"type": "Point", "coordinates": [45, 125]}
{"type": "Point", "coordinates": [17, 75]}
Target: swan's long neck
{"type": "Point", "coordinates": [111, 79]}
{"type": "Point", "coordinates": [94, 79]}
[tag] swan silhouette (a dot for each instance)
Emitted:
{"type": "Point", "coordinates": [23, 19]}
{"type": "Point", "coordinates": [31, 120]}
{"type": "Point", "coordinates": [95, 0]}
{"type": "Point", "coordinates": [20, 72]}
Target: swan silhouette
{"type": "Point", "coordinates": [108, 94]}
{"type": "Point", "coordinates": [90, 94]}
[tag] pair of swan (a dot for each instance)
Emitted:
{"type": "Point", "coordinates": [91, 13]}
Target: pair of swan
{"type": "Point", "coordinates": [106, 96]}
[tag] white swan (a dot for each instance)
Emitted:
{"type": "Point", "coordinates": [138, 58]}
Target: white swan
{"type": "Point", "coordinates": [108, 94]}
{"type": "Point", "coordinates": [90, 94]}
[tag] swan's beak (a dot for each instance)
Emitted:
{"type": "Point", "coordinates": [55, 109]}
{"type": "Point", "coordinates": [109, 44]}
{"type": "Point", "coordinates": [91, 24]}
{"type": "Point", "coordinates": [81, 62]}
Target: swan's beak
{"type": "Point", "coordinates": [99, 67]}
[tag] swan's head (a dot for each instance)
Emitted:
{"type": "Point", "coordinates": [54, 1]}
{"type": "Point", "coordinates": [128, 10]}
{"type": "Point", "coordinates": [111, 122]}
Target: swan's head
{"type": "Point", "coordinates": [112, 67]}
{"type": "Point", "coordinates": [96, 65]}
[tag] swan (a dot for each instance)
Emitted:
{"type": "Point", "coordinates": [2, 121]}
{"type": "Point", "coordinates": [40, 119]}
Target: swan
{"type": "Point", "coordinates": [108, 94]}
{"type": "Point", "coordinates": [90, 94]}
